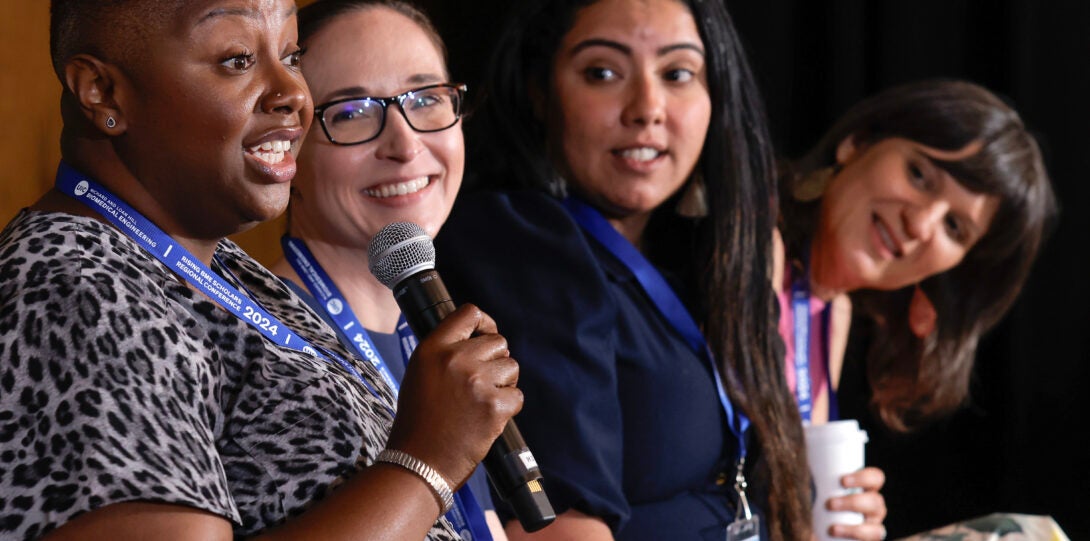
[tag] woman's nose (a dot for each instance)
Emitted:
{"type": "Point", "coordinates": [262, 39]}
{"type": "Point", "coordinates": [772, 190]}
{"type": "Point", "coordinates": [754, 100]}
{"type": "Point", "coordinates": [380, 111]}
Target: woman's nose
{"type": "Point", "coordinates": [398, 140]}
{"type": "Point", "coordinates": [922, 219]}
{"type": "Point", "coordinates": [287, 93]}
{"type": "Point", "coordinates": [646, 102]}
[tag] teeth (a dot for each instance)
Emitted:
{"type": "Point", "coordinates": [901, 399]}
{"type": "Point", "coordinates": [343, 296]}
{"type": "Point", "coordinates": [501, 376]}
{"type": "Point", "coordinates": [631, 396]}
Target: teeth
{"type": "Point", "coordinates": [271, 152]}
{"type": "Point", "coordinates": [886, 238]}
{"type": "Point", "coordinates": [400, 188]}
{"type": "Point", "coordinates": [642, 154]}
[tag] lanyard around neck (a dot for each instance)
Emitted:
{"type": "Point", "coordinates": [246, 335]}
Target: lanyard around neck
{"type": "Point", "coordinates": [466, 515]}
{"type": "Point", "coordinates": [179, 260]}
{"type": "Point", "coordinates": [319, 283]}
{"type": "Point", "coordinates": [800, 312]}
{"type": "Point", "coordinates": [664, 299]}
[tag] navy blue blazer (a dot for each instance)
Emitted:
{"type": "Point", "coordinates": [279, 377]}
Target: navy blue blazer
{"type": "Point", "coordinates": [622, 416]}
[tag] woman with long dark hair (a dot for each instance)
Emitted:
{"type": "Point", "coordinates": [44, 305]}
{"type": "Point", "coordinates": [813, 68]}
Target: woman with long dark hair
{"type": "Point", "coordinates": [631, 272]}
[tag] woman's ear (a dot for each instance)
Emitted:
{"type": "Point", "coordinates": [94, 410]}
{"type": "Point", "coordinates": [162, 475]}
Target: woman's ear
{"type": "Point", "coordinates": [921, 314]}
{"type": "Point", "coordinates": [846, 149]}
{"type": "Point", "coordinates": [93, 84]}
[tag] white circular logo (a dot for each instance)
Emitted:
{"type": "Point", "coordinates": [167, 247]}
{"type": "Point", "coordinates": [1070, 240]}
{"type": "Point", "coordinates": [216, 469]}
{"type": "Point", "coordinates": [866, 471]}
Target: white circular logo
{"type": "Point", "coordinates": [334, 306]}
{"type": "Point", "coordinates": [82, 187]}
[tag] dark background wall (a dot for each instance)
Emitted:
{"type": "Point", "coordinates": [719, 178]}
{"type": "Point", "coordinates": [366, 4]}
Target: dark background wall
{"type": "Point", "coordinates": [1021, 445]}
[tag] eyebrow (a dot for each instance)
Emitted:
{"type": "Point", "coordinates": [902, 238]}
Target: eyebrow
{"type": "Point", "coordinates": [361, 91]}
{"type": "Point", "coordinates": [666, 49]}
{"type": "Point", "coordinates": [240, 12]}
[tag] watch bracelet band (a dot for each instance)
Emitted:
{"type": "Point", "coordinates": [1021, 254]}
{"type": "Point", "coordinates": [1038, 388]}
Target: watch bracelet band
{"type": "Point", "coordinates": [434, 480]}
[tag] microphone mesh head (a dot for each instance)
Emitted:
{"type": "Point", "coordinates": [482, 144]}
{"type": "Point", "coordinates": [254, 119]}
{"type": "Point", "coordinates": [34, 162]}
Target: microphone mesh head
{"type": "Point", "coordinates": [398, 251]}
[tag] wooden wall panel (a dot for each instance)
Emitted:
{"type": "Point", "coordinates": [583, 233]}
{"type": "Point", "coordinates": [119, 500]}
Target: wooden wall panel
{"type": "Point", "coordinates": [29, 118]}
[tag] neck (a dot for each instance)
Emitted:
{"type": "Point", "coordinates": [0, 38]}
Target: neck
{"type": "Point", "coordinates": [370, 300]}
{"type": "Point", "coordinates": [631, 227]}
{"type": "Point", "coordinates": [97, 160]}
{"type": "Point", "coordinates": [823, 284]}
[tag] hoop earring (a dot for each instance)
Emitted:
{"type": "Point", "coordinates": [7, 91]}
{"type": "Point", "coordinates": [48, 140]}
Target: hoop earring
{"type": "Point", "coordinates": [110, 122]}
{"type": "Point", "coordinates": [812, 186]}
{"type": "Point", "coordinates": [694, 199]}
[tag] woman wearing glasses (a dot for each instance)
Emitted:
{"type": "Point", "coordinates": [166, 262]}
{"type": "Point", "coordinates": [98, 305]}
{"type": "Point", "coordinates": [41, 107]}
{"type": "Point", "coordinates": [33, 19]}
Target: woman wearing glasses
{"type": "Point", "coordinates": [388, 147]}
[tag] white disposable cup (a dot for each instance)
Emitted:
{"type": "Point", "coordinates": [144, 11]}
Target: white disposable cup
{"type": "Point", "coordinates": [834, 449]}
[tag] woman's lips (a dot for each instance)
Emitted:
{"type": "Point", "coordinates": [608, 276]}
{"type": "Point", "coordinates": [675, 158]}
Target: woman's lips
{"type": "Point", "coordinates": [273, 160]}
{"type": "Point", "coordinates": [639, 158]}
{"type": "Point", "coordinates": [885, 237]}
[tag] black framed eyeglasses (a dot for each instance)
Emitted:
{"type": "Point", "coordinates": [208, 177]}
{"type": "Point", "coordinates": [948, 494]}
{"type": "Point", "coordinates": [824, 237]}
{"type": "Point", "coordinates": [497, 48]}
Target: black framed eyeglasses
{"type": "Point", "coordinates": [352, 121]}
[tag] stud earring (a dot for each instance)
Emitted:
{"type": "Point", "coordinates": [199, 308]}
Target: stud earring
{"type": "Point", "coordinates": [110, 122]}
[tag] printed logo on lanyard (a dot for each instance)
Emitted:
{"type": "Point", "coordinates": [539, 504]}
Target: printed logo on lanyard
{"type": "Point", "coordinates": [318, 282]}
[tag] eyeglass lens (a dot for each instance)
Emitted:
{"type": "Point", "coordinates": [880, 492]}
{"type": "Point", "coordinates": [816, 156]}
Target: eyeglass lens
{"type": "Point", "coordinates": [430, 109]}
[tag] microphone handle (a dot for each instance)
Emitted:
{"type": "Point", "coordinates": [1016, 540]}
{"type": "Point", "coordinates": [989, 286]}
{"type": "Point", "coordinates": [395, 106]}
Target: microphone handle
{"type": "Point", "coordinates": [511, 466]}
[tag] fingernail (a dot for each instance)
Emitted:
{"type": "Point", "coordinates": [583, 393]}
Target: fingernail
{"type": "Point", "coordinates": [847, 480]}
{"type": "Point", "coordinates": [834, 504]}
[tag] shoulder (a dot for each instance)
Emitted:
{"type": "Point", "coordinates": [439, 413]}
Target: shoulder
{"type": "Point", "coordinates": [521, 215]}
{"type": "Point", "coordinates": [523, 238]}
{"type": "Point", "coordinates": [68, 270]}
{"type": "Point", "coordinates": [99, 362]}
{"type": "Point", "coordinates": [65, 245]}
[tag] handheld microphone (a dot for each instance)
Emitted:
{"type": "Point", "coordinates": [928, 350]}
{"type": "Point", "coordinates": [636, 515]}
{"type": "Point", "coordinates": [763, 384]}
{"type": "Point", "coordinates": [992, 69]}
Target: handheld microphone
{"type": "Point", "coordinates": [402, 257]}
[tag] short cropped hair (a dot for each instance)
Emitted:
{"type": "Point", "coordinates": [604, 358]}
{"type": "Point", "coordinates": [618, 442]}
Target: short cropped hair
{"type": "Point", "coordinates": [107, 29]}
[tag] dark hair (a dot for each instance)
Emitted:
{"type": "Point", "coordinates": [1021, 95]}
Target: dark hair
{"type": "Point", "coordinates": [915, 380]}
{"type": "Point", "coordinates": [316, 16]}
{"type": "Point", "coordinates": [730, 253]}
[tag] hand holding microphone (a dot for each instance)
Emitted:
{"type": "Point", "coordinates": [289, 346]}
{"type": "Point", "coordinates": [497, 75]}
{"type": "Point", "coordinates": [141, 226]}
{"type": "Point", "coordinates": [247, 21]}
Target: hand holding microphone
{"type": "Point", "coordinates": [464, 369]}
{"type": "Point", "coordinates": [457, 395]}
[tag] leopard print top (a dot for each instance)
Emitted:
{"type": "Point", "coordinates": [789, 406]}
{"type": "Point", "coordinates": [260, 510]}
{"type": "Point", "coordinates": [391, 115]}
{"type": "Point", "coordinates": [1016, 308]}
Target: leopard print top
{"type": "Point", "coordinates": [120, 383]}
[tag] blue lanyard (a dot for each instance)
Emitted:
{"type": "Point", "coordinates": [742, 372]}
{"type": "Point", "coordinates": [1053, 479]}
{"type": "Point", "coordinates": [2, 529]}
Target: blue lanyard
{"type": "Point", "coordinates": [160, 245]}
{"type": "Point", "coordinates": [466, 516]}
{"type": "Point", "coordinates": [318, 282]}
{"type": "Point", "coordinates": [664, 298]}
{"type": "Point", "coordinates": [800, 312]}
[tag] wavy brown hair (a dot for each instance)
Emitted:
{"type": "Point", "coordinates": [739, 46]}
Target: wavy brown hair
{"type": "Point", "coordinates": [915, 380]}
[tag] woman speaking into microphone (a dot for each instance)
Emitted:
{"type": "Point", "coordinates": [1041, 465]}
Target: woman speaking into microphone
{"type": "Point", "coordinates": [158, 383]}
